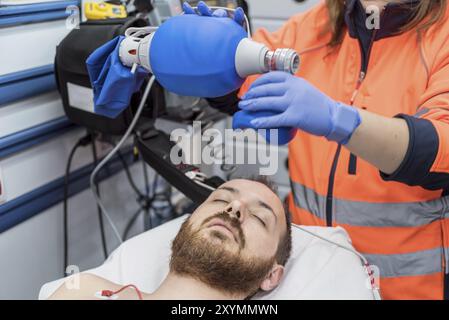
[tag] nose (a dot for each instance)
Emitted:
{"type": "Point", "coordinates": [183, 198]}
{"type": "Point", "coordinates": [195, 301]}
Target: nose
{"type": "Point", "coordinates": [236, 209]}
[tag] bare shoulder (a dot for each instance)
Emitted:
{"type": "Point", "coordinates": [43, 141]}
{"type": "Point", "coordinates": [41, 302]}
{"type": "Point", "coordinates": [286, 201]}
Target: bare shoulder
{"type": "Point", "coordinates": [82, 286]}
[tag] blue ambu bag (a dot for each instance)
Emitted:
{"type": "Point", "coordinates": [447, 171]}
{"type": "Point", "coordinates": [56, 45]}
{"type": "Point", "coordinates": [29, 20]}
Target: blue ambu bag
{"type": "Point", "coordinates": [194, 55]}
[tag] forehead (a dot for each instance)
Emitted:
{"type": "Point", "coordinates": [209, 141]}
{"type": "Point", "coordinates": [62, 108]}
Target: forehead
{"type": "Point", "coordinates": [255, 191]}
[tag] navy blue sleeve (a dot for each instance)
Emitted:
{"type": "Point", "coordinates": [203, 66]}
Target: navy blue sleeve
{"type": "Point", "coordinates": [420, 156]}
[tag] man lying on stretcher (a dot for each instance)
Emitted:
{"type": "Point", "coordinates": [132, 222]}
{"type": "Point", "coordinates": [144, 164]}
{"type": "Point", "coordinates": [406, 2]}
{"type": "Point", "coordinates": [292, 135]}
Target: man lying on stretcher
{"type": "Point", "coordinates": [235, 244]}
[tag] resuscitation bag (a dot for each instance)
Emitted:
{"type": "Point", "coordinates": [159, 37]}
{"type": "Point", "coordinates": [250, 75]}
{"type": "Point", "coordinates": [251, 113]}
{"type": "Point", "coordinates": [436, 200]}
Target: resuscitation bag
{"type": "Point", "coordinates": [73, 79]}
{"type": "Point", "coordinates": [279, 136]}
{"type": "Point", "coordinates": [195, 55]}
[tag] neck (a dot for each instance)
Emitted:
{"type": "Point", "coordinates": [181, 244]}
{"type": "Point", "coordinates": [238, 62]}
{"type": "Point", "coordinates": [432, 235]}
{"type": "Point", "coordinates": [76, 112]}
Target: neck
{"type": "Point", "coordinates": [176, 287]}
{"type": "Point", "coordinates": [379, 3]}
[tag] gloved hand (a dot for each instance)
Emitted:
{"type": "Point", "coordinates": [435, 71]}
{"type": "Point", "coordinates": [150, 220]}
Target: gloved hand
{"type": "Point", "coordinates": [298, 104]}
{"type": "Point", "coordinates": [204, 10]}
{"type": "Point", "coordinates": [278, 136]}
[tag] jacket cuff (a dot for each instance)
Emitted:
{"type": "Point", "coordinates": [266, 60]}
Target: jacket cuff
{"type": "Point", "coordinates": [421, 154]}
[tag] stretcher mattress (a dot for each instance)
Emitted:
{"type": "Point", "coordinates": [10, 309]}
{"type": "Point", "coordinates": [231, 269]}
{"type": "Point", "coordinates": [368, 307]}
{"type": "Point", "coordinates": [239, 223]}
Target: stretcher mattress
{"type": "Point", "coordinates": [317, 269]}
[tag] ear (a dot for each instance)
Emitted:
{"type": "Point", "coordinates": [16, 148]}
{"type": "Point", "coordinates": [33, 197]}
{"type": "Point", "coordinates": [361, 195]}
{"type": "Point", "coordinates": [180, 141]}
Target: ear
{"type": "Point", "coordinates": [273, 278]}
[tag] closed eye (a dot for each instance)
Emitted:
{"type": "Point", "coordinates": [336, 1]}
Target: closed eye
{"type": "Point", "coordinates": [220, 200]}
{"type": "Point", "coordinates": [260, 220]}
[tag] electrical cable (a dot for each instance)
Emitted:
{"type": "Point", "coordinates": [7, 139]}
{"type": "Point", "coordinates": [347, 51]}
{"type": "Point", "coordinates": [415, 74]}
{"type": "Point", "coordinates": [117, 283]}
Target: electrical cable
{"type": "Point", "coordinates": [100, 215]}
{"type": "Point", "coordinates": [366, 264]}
{"type": "Point", "coordinates": [148, 204]}
{"type": "Point", "coordinates": [169, 194]}
{"type": "Point", "coordinates": [129, 176]}
{"type": "Point", "coordinates": [163, 196]}
{"type": "Point", "coordinates": [146, 179]}
{"type": "Point", "coordinates": [140, 196]}
{"type": "Point", "coordinates": [110, 293]}
{"type": "Point", "coordinates": [131, 223]}
{"type": "Point", "coordinates": [113, 152]}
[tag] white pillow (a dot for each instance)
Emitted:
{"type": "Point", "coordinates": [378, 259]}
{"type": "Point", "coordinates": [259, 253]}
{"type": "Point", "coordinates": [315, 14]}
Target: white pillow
{"type": "Point", "coordinates": [316, 269]}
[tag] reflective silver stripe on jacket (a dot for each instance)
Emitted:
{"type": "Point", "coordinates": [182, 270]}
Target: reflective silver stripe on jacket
{"type": "Point", "coordinates": [409, 264]}
{"type": "Point", "coordinates": [369, 214]}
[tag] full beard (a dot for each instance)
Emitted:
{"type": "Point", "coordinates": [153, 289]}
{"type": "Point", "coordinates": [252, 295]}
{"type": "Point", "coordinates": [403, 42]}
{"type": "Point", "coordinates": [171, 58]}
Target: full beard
{"type": "Point", "coordinates": [211, 263]}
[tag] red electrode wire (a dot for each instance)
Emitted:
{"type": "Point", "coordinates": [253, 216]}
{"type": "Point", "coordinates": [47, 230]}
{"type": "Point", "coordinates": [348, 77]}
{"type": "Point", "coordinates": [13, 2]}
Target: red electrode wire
{"type": "Point", "coordinates": [371, 275]}
{"type": "Point", "coordinates": [110, 293]}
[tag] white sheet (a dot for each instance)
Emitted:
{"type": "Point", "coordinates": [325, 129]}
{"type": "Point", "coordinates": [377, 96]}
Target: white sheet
{"type": "Point", "coordinates": [316, 269]}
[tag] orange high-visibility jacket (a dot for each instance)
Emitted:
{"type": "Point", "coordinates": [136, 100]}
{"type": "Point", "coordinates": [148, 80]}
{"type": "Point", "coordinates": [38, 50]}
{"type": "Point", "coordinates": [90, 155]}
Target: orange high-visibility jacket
{"type": "Point", "coordinates": [399, 222]}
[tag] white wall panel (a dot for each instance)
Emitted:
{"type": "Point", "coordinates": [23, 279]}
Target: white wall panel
{"type": "Point", "coordinates": [41, 164]}
{"type": "Point", "coordinates": [30, 45]}
{"type": "Point", "coordinates": [27, 113]}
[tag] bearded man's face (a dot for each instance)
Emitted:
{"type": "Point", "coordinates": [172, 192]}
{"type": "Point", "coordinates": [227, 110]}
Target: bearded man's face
{"type": "Point", "coordinates": [230, 241]}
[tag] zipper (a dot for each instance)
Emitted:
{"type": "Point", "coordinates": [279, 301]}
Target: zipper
{"type": "Point", "coordinates": [331, 183]}
{"type": "Point", "coordinates": [330, 187]}
{"type": "Point", "coordinates": [352, 166]}
{"type": "Point", "coordinates": [362, 76]}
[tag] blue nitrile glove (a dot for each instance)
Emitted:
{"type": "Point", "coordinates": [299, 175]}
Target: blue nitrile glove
{"type": "Point", "coordinates": [242, 120]}
{"type": "Point", "coordinates": [299, 104]}
{"type": "Point", "coordinates": [113, 83]}
{"type": "Point", "coordinates": [204, 10]}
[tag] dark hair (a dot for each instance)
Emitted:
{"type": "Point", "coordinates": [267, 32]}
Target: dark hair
{"type": "Point", "coordinates": [285, 244]}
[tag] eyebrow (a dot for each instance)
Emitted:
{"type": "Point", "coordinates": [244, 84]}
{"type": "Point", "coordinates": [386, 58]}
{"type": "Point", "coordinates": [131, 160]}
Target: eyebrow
{"type": "Point", "coordinates": [232, 190]}
{"type": "Point", "coordinates": [260, 202]}
{"type": "Point", "coordinates": [266, 206]}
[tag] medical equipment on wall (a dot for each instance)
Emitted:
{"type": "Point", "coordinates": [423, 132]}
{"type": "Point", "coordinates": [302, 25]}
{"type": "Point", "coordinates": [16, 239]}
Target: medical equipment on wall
{"type": "Point", "coordinates": [73, 80]}
{"type": "Point", "coordinates": [104, 10]}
